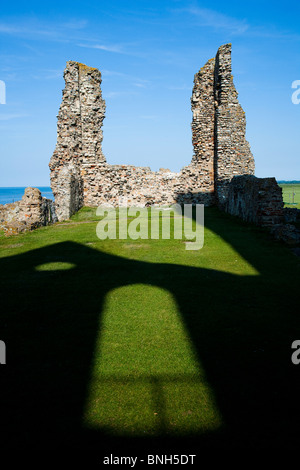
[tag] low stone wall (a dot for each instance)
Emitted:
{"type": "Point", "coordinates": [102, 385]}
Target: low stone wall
{"type": "Point", "coordinates": [291, 214]}
{"type": "Point", "coordinates": [105, 183]}
{"type": "Point", "coordinates": [286, 233]}
{"type": "Point", "coordinates": [31, 212]}
{"type": "Point", "coordinates": [256, 200]}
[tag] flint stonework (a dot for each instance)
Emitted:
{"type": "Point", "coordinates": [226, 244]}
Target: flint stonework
{"type": "Point", "coordinates": [31, 212]}
{"type": "Point", "coordinates": [80, 175]}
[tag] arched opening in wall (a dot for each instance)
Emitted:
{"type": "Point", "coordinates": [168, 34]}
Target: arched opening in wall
{"type": "Point", "coordinates": [140, 131]}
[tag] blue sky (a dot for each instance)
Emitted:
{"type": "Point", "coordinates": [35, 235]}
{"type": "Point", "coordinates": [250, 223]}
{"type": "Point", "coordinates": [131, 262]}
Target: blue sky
{"type": "Point", "coordinates": [148, 53]}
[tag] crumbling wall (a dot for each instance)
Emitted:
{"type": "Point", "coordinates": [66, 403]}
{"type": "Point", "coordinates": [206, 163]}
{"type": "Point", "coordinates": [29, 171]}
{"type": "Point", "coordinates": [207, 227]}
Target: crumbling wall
{"type": "Point", "coordinates": [203, 124]}
{"type": "Point", "coordinates": [143, 187]}
{"type": "Point", "coordinates": [256, 200]}
{"type": "Point", "coordinates": [80, 174]}
{"type": "Point", "coordinates": [259, 201]}
{"type": "Point", "coordinates": [291, 214]}
{"type": "Point", "coordinates": [232, 151]}
{"type": "Point", "coordinates": [31, 212]}
{"type": "Point", "coordinates": [79, 136]}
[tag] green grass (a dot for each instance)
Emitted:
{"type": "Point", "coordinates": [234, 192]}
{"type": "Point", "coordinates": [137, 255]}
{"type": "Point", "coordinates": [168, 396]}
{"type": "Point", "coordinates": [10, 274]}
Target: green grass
{"type": "Point", "coordinates": [139, 339]}
{"type": "Point", "coordinates": [291, 195]}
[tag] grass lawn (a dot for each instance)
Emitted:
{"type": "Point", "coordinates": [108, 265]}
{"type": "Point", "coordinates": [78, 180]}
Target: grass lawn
{"type": "Point", "coordinates": [291, 195]}
{"type": "Point", "coordinates": [129, 341]}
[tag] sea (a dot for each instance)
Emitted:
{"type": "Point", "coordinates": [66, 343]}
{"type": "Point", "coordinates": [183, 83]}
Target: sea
{"type": "Point", "coordinates": [8, 195]}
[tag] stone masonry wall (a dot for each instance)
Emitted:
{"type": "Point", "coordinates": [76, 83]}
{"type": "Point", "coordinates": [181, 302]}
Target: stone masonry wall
{"type": "Point", "coordinates": [232, 151]}
{"type": "Point", "coordinates": [81, 176]}
{"type": "Point", "coordinates": [141, 186]}
{"type": "Point", "coordinates": [203, 124]}
{"type": "Point", "coordinates": [79, 136]}
{"type": "Point", "coordinates": [256, 200]}
{"type": "Point", "coordinates": [31, 212]}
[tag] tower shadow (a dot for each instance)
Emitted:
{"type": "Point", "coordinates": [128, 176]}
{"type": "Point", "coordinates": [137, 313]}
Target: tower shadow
{"type": "Point", "coordinates": [241, 328]}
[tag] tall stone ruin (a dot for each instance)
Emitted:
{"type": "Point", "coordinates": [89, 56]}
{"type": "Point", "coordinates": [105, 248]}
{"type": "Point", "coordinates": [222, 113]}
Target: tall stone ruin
{"type": "Point", "coordinates": [219, 125]}
{"type": "Point", "coordinates": [232, 151]}
{"type": "Point", "coordinates": [79, 136]}
{"type": "Point", "coordinates": [81, 176]}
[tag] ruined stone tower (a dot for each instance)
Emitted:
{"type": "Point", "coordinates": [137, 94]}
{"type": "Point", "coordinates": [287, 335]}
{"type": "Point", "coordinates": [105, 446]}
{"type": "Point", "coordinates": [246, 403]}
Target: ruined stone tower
{"type": "Point", "coordinates": [219, 125]}
{"type": "Point", "coordinates": [79, 136]}
{"type": "Point", "coordinates": [232, 151]}
{"type": "Point", "coordinates": [81, 176]}
{"type": "Point", "coordinates": [203, 124]}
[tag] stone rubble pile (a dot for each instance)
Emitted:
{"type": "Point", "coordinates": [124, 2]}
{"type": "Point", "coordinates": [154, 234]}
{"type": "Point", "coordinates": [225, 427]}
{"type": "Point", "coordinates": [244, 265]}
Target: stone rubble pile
{"type": "Point", "coordinates": [31, 212]}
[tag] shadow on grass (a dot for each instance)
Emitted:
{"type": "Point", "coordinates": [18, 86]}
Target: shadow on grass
{"type": "Point", "coordinates": [241, 327]}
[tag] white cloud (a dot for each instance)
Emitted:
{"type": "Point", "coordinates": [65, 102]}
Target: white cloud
{"type": "Point", "coordinates": [116, 94]}
{"type": "Point", "coordinates": [48, 74]}
{"type": "Point", "coordinates": [140, 85]}
{"type": "Point", "coordinates": [214, 19]}
{"type": "Point", "coordinates": [112, 94]}
{"type": "Point", "coordinates": [137, 81]}
{"type": "Point", "coordinates": [75, 24]}
{"type": "Point", "coordinates": [10, 29]}
{"type": "Point", "coordinates": [217, 20]}
{"type": "Point", "coordinates": [149, 116]}
{"type": "Point", "coordinates": [183, 87]}
{"type": "Point", "coordinates": [104, 47]}
{"type": "Point", "coordinates": [109, 73]}
{"type": "Point", "coordinates": [33, 27]}
{"type": "Point", "coordinates": [8, 117]}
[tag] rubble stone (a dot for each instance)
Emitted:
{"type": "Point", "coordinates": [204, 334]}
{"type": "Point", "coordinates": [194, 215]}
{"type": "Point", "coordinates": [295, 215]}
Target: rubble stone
{"type": "Point", "coordinates": [232, 151]}
{"type": "Point", "coordinates": [287, 233]}
{"type": "Point", "coordinates": [31, 212]}
{"type": "Point", "coordinates": [81, 176]}
{"type": "Point", "coordinates": [256, 200]}
{"type": "Point", "coordinates": [291, 214]}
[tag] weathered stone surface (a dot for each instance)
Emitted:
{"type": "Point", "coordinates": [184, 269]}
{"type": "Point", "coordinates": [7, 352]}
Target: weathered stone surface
{"type": "Point", "coordinates": [81, 176]}
{"type": "Point", "coordinates": [31, 212]}
{"type": "Point", "coordinates": [256, 200]}
{"type": "Point", "coordinates": [291, 214]}
{"type": "Point", "coordinates": [259, 200]}
{"type": "Point", "coordinates": [232, 151]}
{"type": "Point", "coordinates": [203, 124]}
{"type": "Point", "coordinates": [141, 186]}
{"type": "Point", "coordinates": [287, 233]}
{"type": "Point", "coordinates": [221, 170]}
{"type": "Point", "coordinates": [79, 136]}
{"type": "Point", "coordinates": [9, 213]}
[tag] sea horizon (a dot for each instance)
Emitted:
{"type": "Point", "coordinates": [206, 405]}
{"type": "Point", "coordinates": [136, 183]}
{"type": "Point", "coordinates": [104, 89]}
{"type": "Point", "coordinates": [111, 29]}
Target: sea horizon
{"type": "Point", "coordinates": [10, 194]}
